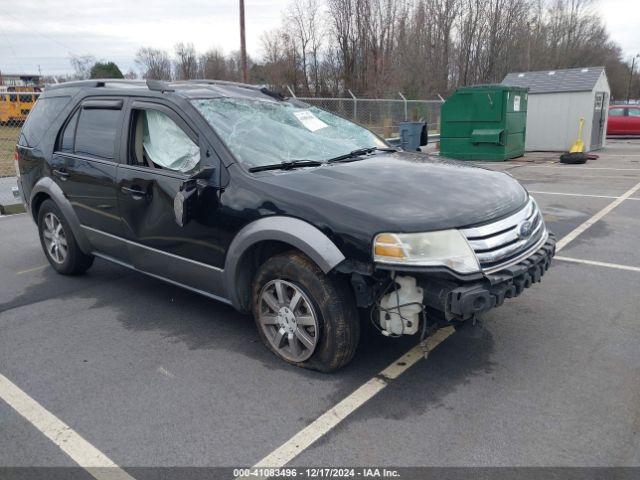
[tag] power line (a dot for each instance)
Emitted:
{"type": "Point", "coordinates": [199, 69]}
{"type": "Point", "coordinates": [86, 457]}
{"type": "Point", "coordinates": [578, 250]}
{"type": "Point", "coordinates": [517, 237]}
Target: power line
{"type": "Point", "coordinates": [13, 52]}
{"type": "Point", "coordinates": [31, 28]}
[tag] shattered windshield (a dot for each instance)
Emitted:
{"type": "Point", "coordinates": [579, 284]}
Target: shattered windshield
{"type": "Point", "coordinates": [266, 132]}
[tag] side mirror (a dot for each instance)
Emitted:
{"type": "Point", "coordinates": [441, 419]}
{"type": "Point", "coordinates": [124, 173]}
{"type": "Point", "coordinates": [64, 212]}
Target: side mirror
{"type": "Point", "coordinates": [204, 173]}
{"type": "Point", "coordinates": [185, 200]}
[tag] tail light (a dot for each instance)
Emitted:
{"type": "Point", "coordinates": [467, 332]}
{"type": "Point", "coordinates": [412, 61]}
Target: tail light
{"type": "Point", "coordinates": [16, 161]}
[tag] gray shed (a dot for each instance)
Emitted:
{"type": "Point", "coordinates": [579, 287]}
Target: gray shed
{"type": "Point", "coordinates": [557, 101]}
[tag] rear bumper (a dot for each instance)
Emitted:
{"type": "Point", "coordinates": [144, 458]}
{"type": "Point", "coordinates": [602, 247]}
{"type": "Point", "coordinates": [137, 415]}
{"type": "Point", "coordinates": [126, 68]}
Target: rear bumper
{"type": "Point", "coordinates": [460, 300]}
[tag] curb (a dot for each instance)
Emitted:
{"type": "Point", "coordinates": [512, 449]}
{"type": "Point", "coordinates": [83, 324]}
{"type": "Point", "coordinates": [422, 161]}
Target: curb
{"type": "Point", "coordinates": [12, 209]}
{"type": "Point", "coordinates": [10, 199]}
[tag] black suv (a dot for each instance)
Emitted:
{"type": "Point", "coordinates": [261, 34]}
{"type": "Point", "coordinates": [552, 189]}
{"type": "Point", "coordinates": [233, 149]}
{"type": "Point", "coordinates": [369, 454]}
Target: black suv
{"type": "Point", "coordinates": [297, 215]}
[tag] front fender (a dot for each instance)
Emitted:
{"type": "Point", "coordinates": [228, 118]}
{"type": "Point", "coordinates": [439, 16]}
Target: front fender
{"type": "Point", "coordinates": [295, 232]}
{"type": "Point", "coordinates": [48, 187]}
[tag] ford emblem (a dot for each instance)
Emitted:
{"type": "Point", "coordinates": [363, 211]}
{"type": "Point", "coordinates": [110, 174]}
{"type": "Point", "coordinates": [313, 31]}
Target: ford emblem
{"type": "Point", "coordinates": [525, 229]}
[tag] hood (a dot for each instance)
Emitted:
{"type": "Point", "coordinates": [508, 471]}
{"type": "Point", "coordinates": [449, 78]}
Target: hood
{"type": "Point", "coordinates": [405, 192]}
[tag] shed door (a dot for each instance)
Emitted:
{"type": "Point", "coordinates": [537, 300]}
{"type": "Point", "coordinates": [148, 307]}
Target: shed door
{"type": "Point", "coordinates": [597, 130]}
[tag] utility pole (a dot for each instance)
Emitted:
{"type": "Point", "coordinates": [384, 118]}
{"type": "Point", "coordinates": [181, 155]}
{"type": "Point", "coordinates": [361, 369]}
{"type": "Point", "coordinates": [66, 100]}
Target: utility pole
{"type": "Point", "coordinates": [633, 64]}
{"type": "Point", "coordinates": [243, 45]}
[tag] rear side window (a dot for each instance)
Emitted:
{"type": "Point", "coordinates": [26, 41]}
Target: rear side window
{"type": "Point", "coordinates": [616, 112]}
{"type": "Point", "coordinates": [97, 131]}
{"type": "Point", "coordinates": [66, 140]}
{"type": "Point", "coordinates": [634, 112]}
{"type": "Point", "coordinates": [42, 115]}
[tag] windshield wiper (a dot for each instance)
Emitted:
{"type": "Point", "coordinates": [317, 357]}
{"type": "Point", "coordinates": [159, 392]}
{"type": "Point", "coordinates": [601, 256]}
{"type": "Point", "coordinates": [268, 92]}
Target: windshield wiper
{"type": "Point", "coordinates": [286, 165]}
{"type": "Point", "coordinates": [353, 155]}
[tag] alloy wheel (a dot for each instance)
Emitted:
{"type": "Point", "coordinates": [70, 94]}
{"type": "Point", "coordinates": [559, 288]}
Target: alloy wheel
{"type": "Point", "coordinates": [55, 239]}
{"type": "Point", "coordinates": [288, 319]}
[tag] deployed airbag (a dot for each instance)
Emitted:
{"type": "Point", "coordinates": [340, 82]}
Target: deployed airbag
{"type": "Point", "coordinates": [167, 145]}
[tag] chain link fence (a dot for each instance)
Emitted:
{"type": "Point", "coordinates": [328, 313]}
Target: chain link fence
{"type": "Point", "coordinates": [14, 108]}
{"type": "Point", "coordinates": [383, 116]}
{"type": "Point", "coordinates": [631, 101]}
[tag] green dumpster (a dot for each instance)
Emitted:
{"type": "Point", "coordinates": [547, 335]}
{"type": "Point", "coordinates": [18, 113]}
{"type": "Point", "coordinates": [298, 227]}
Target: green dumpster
{"type": "Point", "coordinates": [484, 122]}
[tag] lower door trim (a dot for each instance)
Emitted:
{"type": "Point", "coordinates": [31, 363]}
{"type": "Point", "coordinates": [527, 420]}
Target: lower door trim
{"type": "Point", "coordinates": [196, 276]}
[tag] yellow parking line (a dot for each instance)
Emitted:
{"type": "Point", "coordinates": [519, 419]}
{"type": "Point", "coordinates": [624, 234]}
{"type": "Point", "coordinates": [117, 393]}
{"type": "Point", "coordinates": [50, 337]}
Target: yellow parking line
{"type": "Point", "coordinates": [34, 269]}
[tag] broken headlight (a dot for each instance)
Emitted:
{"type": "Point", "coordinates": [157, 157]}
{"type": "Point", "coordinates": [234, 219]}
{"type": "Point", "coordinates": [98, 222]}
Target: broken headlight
{"type": "Point", "coordinates": [446, 248]}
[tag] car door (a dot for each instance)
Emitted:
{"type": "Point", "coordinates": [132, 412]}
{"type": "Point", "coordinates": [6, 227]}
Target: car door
{"type": "Point", "coordinates": [84, 165]}
{"type": "Point", "coordinates": [615, 121]}
{"type": "Point", "coordinates": [633, 121]}
{"type": "Point", "coordinates": [163, 150]}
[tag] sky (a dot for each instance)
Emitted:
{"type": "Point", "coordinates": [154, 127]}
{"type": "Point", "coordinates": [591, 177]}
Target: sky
{"type": "Point", "coordinates": [46, 33]}
{"type": "Point", "coordinates": [42, 35]}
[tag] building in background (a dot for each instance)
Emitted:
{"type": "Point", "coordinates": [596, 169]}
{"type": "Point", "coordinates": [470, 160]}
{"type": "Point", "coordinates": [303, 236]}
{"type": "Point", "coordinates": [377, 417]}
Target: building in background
{"type": "Point", "coordinates": [19, 80]}
{"type": "Point", "coordinates": [558, 99]}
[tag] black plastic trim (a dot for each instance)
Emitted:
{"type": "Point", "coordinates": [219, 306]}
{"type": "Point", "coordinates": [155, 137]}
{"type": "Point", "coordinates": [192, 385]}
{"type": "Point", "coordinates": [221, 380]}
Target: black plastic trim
{"type": "Point", "coordinates": [461, 301]}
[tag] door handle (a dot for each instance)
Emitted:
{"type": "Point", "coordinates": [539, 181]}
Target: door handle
{"type": "Point", "coordinates": [135, 192]}
{"type": "Point", "coordinates": [61, 174]}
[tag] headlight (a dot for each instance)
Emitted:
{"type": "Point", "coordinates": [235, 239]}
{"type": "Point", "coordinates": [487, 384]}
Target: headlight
{"type": "Point", "coordinates": [446, 248]}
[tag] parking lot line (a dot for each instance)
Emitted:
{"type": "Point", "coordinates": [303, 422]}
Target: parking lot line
{"type": "Point", "coordinates": [96, 463]}
{"type": "Point", "coordinates": [598, 264]}
{"type": "Point", "coordinates": [579, 177]}
{"type": "Point", "coordinates": [571, 236]}
{"type": "Point", "coordinates": [572, 167]}
{"type": "Point", "coordinates": [34, 269]}
{"type": "Point", "coordinates": [578, 195]}
{"type": "Point", "coordinates": [332, 417]}
{"type": "Point", "coordinates": [623, 155]}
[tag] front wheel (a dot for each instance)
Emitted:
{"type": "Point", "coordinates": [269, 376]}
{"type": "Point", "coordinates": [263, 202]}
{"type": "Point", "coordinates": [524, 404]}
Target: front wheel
{"type": "Point", "coordinates": [305, 317]}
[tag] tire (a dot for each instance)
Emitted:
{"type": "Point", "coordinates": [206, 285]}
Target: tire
{"type": "Point", "coordinates": [324, 304]}
{"type": "Point", "coordinates": [61, 248]}
{"type": "Point", "coordinates": [576, 158]}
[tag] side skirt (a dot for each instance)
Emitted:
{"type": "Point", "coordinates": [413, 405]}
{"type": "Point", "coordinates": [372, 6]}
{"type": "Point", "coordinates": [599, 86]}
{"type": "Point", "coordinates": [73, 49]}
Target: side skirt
{"type": "Point", "coordinates": [164, 279]}
{"type": "Point", "coordinates": [183, 272]}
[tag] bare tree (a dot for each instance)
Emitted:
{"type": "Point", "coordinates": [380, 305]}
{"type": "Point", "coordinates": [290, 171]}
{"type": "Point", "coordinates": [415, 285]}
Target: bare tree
{"type": "Point", "coordinates": [186, 61]}
{"type": "Point", "coordinates": [131, 74]}
{"type": "Point", "coordinates": [82, 66]}
{"type": "Point", "coordinates": [153, 63]}
{"type": "Point", "coordinates": [420, 47]}
{"type": "Point", "coordinates": [214, 65]}
{"type": "Point", "coordinates": [303, 20]}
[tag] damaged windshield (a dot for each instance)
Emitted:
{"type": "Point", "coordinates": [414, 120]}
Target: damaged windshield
{"type": "Point", "coordinates": [266, 132]}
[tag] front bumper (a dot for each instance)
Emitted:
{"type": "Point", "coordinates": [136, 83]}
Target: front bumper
{"type": "Point", "coordinates": [460, 300]}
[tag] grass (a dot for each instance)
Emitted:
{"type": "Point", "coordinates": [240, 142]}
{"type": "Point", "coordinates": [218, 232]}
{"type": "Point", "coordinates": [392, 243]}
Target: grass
{"type": "Point", "coordinates": [8, 139]}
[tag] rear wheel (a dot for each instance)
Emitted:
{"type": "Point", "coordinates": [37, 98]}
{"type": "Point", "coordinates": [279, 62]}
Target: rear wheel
{"type": "Point", "coordinates": [58, 242]}
{"type": "Point", "coordinates": [305, 317]}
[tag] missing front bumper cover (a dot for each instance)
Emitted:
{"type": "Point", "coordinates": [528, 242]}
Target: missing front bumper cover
{"type": "Point", "coordinates": [463, 301]}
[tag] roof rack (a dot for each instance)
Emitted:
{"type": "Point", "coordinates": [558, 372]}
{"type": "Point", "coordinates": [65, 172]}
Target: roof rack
{"type": "Point", "coordinates": [258, 88]}
{"type": "Point", "coordinates": [163, 86]}
{"type": "Point", "coordinates": [76, 83]}
{"type": "Point", "coordinates": [97, 83]}
{"type": "Point", "coordinates": [219, 82]}
{"type": "Point", "coordinates": [159, 86]}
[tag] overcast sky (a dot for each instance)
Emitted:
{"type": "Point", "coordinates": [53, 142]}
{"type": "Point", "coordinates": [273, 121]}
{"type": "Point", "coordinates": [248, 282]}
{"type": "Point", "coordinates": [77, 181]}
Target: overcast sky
{"type": "Point", "coordinates": [45, 33]}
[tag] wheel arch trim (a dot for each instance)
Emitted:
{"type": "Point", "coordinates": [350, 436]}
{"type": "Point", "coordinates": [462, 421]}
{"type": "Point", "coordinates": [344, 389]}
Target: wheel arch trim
{"type": "Point", "coordinates": [293, 231]}
{"type": "Point", "coordinates": [49, 187]}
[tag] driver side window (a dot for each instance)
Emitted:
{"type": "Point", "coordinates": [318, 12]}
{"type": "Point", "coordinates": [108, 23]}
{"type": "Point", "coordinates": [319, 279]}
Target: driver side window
{"type": "Point", "coordinates": [158, 142]}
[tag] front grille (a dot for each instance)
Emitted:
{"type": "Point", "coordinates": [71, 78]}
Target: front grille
{"type": "Point", "coordinates": [501, 244]}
